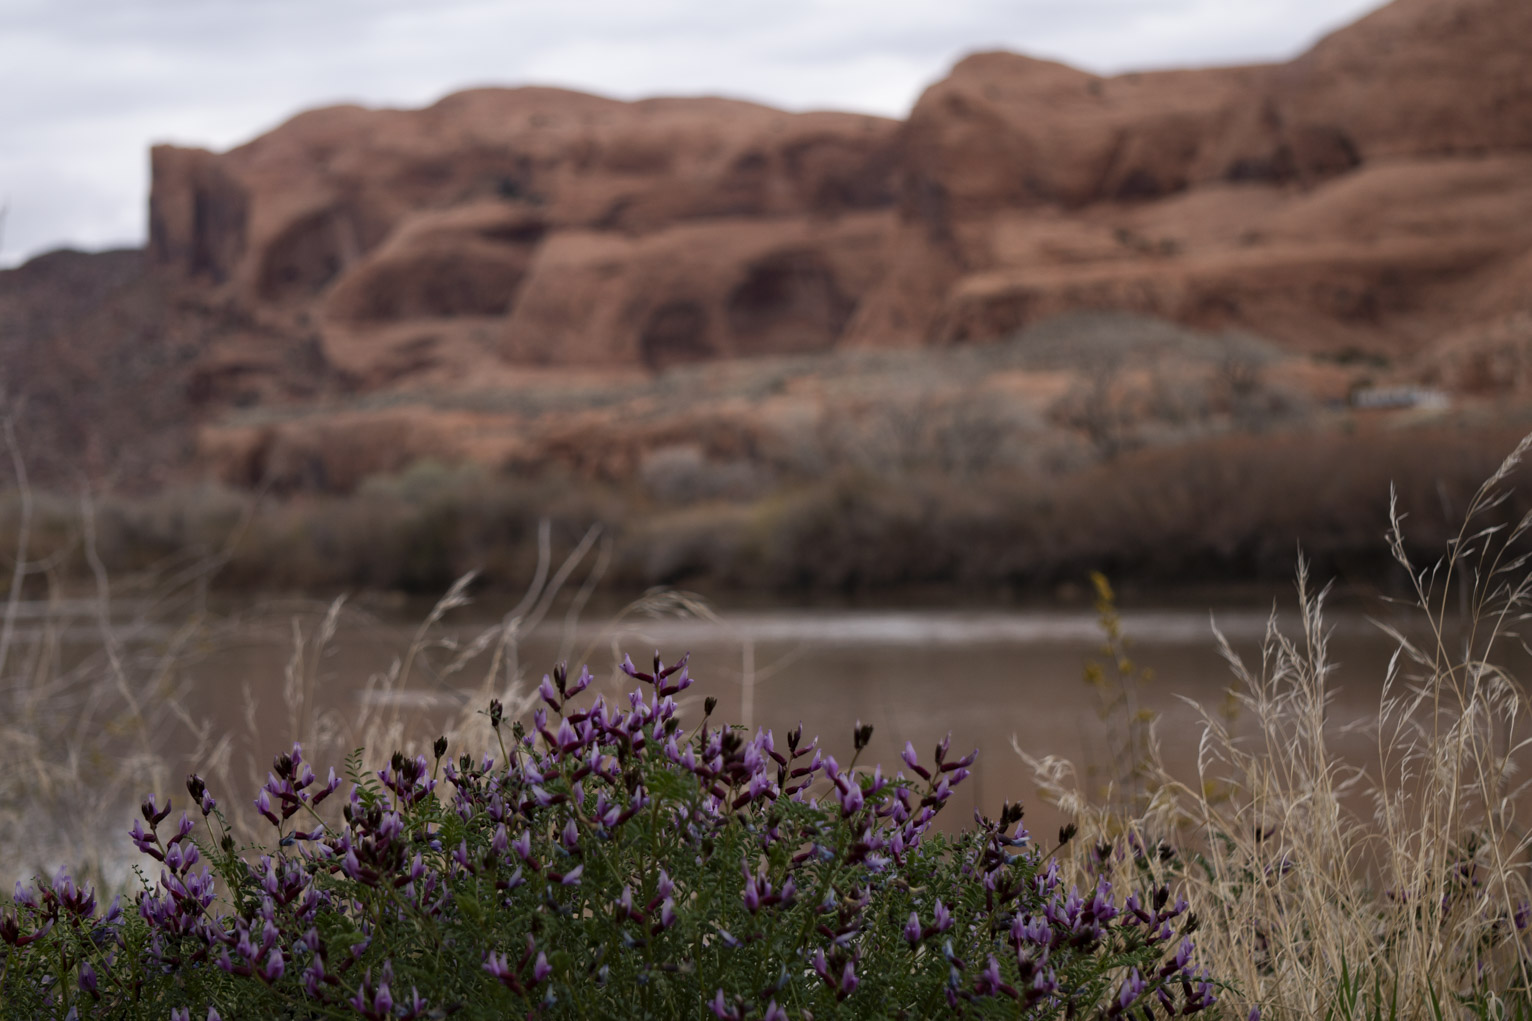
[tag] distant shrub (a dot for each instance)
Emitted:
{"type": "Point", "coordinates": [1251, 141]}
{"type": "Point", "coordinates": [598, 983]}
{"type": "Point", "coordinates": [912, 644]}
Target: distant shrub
{"type": "Point", "coordinates": [610, 863]}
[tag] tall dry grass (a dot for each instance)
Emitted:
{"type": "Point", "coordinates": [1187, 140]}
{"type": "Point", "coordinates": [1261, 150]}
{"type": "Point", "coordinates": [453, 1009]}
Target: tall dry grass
{"type": "Point", "coordinates": [99, 685]}
{"type": "Point", "coordinates": [1395, 886]}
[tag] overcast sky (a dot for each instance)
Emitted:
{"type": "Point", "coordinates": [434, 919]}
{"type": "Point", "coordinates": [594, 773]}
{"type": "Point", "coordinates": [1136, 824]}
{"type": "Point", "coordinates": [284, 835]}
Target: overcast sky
{"type": "Point", "coordinates": [87, 85]}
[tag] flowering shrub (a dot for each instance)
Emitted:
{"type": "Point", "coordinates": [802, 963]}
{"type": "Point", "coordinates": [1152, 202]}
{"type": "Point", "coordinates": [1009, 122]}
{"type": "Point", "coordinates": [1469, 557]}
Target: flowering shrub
{"type": "Point", "coordinates": [610, 863]}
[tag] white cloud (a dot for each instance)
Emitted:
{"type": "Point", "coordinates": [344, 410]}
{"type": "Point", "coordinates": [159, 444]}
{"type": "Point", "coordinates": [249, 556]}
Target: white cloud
{"type": "Point", "coordinates": [87, 85]}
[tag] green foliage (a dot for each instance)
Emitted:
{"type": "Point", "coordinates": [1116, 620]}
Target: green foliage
{"type": "Point", "coordinates": [609, 864]}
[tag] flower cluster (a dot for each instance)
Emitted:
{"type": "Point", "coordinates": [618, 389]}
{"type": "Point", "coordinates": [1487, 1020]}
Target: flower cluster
{"type": "Point", "coordinates": [609, 862]}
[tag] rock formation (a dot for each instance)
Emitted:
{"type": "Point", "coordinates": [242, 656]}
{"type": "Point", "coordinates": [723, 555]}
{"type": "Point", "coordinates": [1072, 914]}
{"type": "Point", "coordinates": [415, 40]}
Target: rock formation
{"type": "Point", "coordinates": [1371, 198]}
{"type": "Point", "coordinates": [537, 226]}
{"type": "Point", "coordinates": [1366, 195]}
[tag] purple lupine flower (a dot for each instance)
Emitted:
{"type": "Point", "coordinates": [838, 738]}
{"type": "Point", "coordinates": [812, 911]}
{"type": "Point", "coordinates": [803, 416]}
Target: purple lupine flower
{"type": "Point", "coordinates": [274, 966]}
{"type": "Point", "coordinates": [720, 1008]}
{"type": "Point", "coordinates": [821, 966]}
{"type": "Point", "coordinates": [567, 738]}
{"type": "Point", "coordinates": [912, 931]}
{"type": "Point", "coordinates": [183, 829]}
{"type": "Point", "coordinates": [314, 975]}
{"type": "Point", "coordinates": [145, 841]}
{"type": "Point", "coordinates": [263, 806]}
{"type": "Point", "coordinates": [1132, 988]}
{"type": "Point", "coordinates": [497, 965]}
{"type": "Point", "coordinates": [941, 918]}
{"type": "Point", "coordinates": [848, 979]}
{"type": "Point", "coordinates": [541, 969]}
{"type": "Point", "coordinates": [1183, 956]}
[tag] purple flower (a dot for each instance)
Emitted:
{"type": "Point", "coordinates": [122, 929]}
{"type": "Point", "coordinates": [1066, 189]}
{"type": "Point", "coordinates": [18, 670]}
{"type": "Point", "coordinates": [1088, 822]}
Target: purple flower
{"type": "Point", "coordinates": [152, 813]}
{"type": "Point", "coordinates": [263, 806]}
{"type": "Point", "coordinates": [274, 966]}
{"type": "Point", "coordinates": [913, 761]}
{"type": "Point", "coordinates": [145, 841]}
{"type": "Point", "coordinates": [848, 979]}
{"type": "Point", "coordinates": [990, 982]}
{"type": "Point", "coordinates": [912, 930]}
{"type": "Point", "coordinates": [1132, 989]}
{"type": "Point", "coordinates": [497, 965]}
{"type": "Point", "coordinates": [720, 1008]}
{"type": "Point", "coordinates": [1183, 955]}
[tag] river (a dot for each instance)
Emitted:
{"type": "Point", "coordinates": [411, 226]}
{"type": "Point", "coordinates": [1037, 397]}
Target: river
{"type": "Point", "coordinates": [995, 679]}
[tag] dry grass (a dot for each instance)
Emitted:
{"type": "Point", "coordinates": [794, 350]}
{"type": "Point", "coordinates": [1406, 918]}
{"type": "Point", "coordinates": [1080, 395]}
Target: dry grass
{"type": "Point", "coordinates": [1390, 887]}
{"type": "Point", "coordinates": [97, 689]}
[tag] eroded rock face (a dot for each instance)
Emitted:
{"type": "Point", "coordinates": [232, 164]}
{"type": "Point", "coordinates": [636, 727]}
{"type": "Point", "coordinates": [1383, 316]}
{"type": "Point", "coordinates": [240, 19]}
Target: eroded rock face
{"type": "Point", "coordinates": [545, 227]}
{"type": "Point", "coordinates": [1372, 196]}
{"type": "Point", "coordinates": [496, 199]}
{"type": "Point", "coordinates": [1343, 200]}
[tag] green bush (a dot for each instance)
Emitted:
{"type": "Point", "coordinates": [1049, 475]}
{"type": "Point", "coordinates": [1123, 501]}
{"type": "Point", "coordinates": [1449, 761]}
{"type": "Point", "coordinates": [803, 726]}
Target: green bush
{"type": "Point", "coordinates": [610, 863]}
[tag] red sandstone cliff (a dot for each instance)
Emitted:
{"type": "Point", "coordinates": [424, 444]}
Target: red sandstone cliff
{"type": "Point", "coordinates": [1371, 196]}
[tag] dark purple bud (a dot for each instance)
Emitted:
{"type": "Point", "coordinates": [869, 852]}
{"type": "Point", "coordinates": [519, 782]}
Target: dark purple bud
{"type": "Point", "coordinates": [153, 814]}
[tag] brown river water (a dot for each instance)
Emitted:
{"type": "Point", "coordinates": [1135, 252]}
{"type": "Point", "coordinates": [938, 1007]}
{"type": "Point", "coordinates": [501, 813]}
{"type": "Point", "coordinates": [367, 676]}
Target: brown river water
{"type": "Point", "coordinates": [995, 679]}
